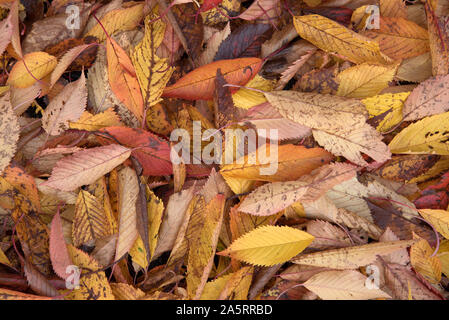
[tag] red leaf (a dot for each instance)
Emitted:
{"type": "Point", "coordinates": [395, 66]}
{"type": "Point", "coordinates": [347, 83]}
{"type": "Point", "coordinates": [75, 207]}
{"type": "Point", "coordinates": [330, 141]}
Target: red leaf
{"type": "Point", "coordinates": [152, 151]}
{"type": "Point", "coordinates": [435, 196]}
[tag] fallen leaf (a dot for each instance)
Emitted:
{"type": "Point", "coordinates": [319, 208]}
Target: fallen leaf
{"type": "Point", "coordinates": [276, 196]}
{"type": "Point", "coordinates": [342, 285]}
{"type": "Point", "coordinates": [352, 257]}
{"type": "Point", "coordinates": [67, 106]}
{"type": "Point", "coordinates": [33, 67]}
{"type": "Point", "coordinates": [86, 166]}
{"type": "Point", "coordinates": [268, 245]}
{"type": "Point", "coordinates": [199, 84]}
{"type": "Point", "coordinates": [330, 36]}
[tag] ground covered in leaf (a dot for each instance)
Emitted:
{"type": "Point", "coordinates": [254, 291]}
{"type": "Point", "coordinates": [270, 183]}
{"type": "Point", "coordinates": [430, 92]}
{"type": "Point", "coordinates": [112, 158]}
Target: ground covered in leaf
{"type": "Point", "coordinates": [224, 149]}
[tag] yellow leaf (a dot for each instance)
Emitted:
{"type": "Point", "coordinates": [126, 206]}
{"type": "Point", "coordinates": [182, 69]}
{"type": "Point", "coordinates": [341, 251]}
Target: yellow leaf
{"type": "Point", "coordinates": [245, 98]}
{"type": "Point", "coordinates": [438, 218]}
{"type": "Point", "coordinates": [331, 36]}
{"type": "Point", "coordinates": [202, 247]}
{"type": "Point", "coordinates": [33, 234]}
{"type": "Point", "coordinates": [155, 208]}
{"type": "Point", "coordinates": [123, 291]}
{"type": "Point", "coordinates": [441, 165]}
{"type": "Point", "coordinates": [174, 216]}
{"type": "Point", "coordinates": [93, 284]}
{"type": "Point", "coordinates": [421, 260]}
{"type": "Point", "coordinates": [3, 89]}
{"type": "Point", "coordinates": [269, 245]}
{"type": "Point", "coordinates": [34, 65]}
{"type": "Point", "coordinates": [388, 107]}
{"type": "Point", "coordinates": [393, 8]}
{"type": "Point", "coordinates": [91, 122]}
{"type": "Point", "coordinates": [99, 189]}
{"type": "Point", "coordinates": [90, 222]}
{"type": "Point", "coordinates": [241, 223]}
{"type": "Point", "coordinates": [429, 135]}
{"type": "Point", "coordinates": [213, 16]}
{"type": "Point", "coordinates": [4, 259]}
{"type": "Point", "coordinates": [400, 38]}
{"type": "Point", "coordinates": [443, 255]}
{"type": "Point", "coordinates": [190, 227]}
{"type": "Point", "coordinates": [152, 72]}
{"type": "Point", "coordinates": [352, 257]}
{"type": "Point", "coordinates": [364, 80]}
{"type": "Point", "coordinates": [138, 253]}
{"type": "Point", "coordinates": [118, 20]}
{"type": "Point", "coordinates": [235, 285]}
{"type": "Point", "coordinates": [239, 185]}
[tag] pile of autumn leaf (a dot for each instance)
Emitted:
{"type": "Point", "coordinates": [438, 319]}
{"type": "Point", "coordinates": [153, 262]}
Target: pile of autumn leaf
{"type": "Point", "coordinates": [356, 209]}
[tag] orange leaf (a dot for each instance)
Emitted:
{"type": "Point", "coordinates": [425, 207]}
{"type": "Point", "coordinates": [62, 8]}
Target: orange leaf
{"type": "Point", "coordinates": [59, 255]}
{"type": "Point", "coordinates": [123, 79]}
{"type": "Point", "coordinates": [200, 83]}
